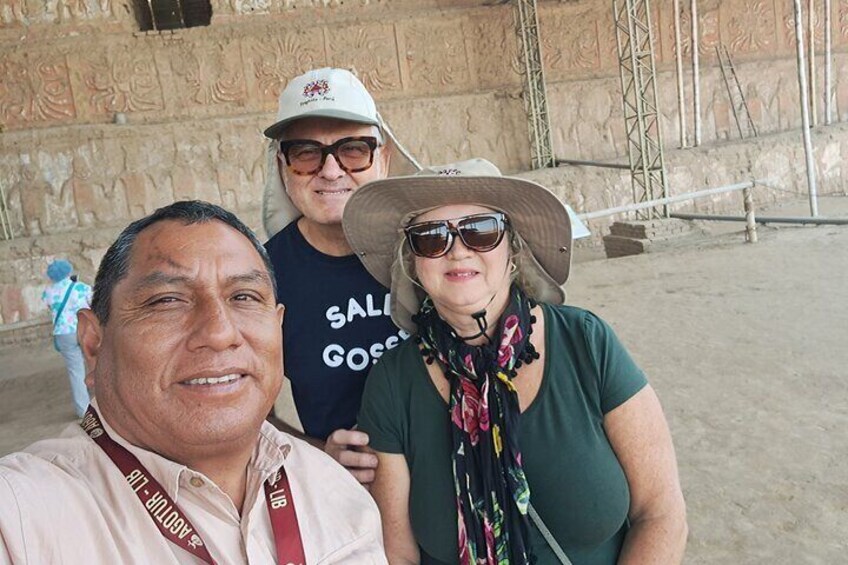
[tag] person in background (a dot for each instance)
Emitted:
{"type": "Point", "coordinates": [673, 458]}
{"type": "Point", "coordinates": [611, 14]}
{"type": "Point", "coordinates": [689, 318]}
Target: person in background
{"type": "Point", "coordinates": [64, 298]}
{"type": "Point", "coordinates": [512, 428]}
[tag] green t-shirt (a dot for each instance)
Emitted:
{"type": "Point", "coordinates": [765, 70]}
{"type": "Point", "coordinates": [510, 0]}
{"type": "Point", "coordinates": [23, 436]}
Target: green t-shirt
{"type": "Point", "coordinates": [576, 482]}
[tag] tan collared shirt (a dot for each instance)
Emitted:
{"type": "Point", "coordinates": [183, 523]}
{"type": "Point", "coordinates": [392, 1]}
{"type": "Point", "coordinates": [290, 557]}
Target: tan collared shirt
{"type": "Point", "coordinates": [63, 501]}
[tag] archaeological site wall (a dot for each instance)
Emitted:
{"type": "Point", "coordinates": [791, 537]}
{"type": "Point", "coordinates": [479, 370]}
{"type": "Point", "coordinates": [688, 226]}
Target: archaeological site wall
{"type": "Point", "coordinates": [446, 75]}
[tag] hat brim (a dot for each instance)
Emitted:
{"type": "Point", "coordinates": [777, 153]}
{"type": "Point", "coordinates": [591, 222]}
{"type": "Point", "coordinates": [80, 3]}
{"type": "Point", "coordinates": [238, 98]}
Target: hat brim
{"type": "Point", "coordinates": [374, 215]}
{"type": "Point", "coordinates": [276, 130]}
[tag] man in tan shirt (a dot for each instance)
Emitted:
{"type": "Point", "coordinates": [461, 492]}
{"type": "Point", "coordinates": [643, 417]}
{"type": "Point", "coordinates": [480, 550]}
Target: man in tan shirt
{"type": "Point", "coordinates": [173, 462]}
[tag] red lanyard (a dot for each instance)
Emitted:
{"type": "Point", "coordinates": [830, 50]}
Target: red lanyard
{"type": "Point", "coordinates": [174, 525]}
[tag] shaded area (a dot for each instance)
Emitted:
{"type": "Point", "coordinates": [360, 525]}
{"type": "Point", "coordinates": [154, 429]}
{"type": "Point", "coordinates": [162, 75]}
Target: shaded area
{"type": "Point", "coordinates": [171, 14]}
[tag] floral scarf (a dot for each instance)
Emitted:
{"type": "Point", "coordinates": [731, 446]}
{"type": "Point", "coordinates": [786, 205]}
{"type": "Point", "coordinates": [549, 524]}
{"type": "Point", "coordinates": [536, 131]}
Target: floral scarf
{"type": "Point", "coordinates": [492, 494]}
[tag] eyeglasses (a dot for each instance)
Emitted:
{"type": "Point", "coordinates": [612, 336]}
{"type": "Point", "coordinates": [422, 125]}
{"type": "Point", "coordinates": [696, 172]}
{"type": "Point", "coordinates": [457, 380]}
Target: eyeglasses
{"type": "Point", "coordinates": [306, 157]}
{"type": "Point", "coordinates": [479, 232]}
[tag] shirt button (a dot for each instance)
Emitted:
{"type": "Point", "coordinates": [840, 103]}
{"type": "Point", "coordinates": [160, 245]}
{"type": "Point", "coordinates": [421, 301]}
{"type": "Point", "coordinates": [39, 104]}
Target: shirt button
{"type": "Point", "coordinates": [196, 482]}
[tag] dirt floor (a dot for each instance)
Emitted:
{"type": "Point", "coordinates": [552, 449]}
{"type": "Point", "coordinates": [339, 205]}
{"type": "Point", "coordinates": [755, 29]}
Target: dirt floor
{"type": "Point", "coordinates": [746, 346]}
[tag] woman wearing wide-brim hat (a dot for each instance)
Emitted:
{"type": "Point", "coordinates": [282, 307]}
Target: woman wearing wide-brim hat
{"type": "Point", "coordinates": [512, 427]}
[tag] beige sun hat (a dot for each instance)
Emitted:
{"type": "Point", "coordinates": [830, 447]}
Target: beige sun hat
{"type": "Point", "coordinates": [321, 93]}
{"type": "Point", "coordinates": [376, 214]}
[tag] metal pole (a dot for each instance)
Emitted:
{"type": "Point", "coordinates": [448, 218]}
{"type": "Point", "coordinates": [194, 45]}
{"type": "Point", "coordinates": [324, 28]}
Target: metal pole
{"type": "Point", "coordinates": [828, 75]}
{"type": "Point", "coordinates": [750, 223]}
{"type": "Point", "coordinates": [721, 55]}
{"type": "Point", "coordinates": [182, 16]}
{"type": "Point", "coordinates": [591, 164]}
{"type": "Point", "coordinates": [678, 52]}
{"type": "Point", "coordinates": [811, 37]}
{"type": "Point", "coordinates": [535, 93]}
{"type": "Point", "coordinates": [805, 109]}
{"type": "Point", "coordinates": [767, 219]}
{"type": "Point", "coordinates": [696, 81]}
{"type": "Point", "coordinates": [153, 22]}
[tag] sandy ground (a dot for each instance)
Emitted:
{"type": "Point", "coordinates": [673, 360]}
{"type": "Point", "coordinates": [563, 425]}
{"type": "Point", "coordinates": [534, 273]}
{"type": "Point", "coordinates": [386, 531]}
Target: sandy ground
{"type": "Point", "coordinates": [747, 348]}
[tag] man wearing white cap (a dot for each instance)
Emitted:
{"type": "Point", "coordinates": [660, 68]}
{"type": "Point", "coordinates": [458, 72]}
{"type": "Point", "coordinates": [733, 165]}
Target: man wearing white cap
{"type": "Point", "coordinates": [328, 141]}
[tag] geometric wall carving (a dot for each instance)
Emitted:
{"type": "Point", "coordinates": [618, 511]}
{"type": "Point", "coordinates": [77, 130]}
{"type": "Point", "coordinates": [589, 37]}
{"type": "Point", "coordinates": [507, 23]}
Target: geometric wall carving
{"type": "Point", "coordinates": [490, 40]}
{"type": "Point", "coordinates": [273, 60]}
{"type": "Point", "coordinates": [372, 51]}
{"type": "Point", "coordinates": [208, 74]}
{"type": "Point", "coordinates": [750, 30]}
{"type": "Point", "coordinates": [570, 41]}
{"type": "Point", "coordinates": [35, 88]}
{"type": "Point", "coordinates": [434, 56]}
{"type": "Point", "coordinates": [125, 80]}
{"type": "Point", "coordinates": [66, 13]}
{"type": "Point", "coordinates": [240, 64]}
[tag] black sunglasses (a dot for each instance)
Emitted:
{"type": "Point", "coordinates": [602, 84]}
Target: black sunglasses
{"type": "Point", "coordinates": [478, 232]}
{"type": "Point", "coordinates": [307, 157]}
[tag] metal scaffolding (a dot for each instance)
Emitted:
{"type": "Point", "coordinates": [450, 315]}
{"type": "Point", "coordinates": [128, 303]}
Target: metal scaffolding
{"type": "Point", "coordinates": [535, 96]}
{"type": "Point", "coordinates": [641, 109]}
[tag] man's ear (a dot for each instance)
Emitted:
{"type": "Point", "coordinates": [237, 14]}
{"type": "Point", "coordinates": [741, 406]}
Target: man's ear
{"type": "Point", "coordinates": [89, 336]}
{"type": "Point", "coordinates": [281, 310]}
{"type": "Point", "coordinates": [386, 155]}
{"type": "Point", "coordinates": [281, 167]}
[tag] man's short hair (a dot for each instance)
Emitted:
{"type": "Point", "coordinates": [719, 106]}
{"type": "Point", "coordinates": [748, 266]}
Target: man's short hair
{"type": "Point", "coordinates": [115, 264]}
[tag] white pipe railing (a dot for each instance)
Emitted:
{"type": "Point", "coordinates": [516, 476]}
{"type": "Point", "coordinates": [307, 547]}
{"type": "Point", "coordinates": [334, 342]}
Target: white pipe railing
{"type": "Point", "coordinates": [678, 52]}
{"type": "Point", "coordinates": [805, 109]}
{"type": "Point", "coordinates": [668, 200]}
{"type": "Point", "coordinates": [828, 71]}
{"type": "Point", "coordinates": [811, 54]}
{"type": "Point", "coordinates": [696, 72]}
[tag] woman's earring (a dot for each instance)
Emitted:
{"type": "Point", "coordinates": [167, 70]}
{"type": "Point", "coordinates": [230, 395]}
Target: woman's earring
{"type": "Point", "coordinates": [512, 267]}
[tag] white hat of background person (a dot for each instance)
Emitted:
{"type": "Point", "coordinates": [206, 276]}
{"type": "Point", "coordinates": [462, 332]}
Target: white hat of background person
{"type": "Point", "coordinates": [321, 93]}
{"type": "Point", "coordinates": [376, 214]}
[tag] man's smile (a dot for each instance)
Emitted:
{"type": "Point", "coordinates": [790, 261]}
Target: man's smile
{"type": "Point", "coordinates": [333, 192]}
{"type": "Point", "coordinates": [232, 377]}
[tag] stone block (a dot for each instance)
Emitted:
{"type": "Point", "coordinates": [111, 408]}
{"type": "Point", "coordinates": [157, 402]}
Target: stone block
{"type": "Point", "coordinates": [650, 229]}
{"type": "Point", "coordinates": [621, 246]}
{"type": "Point", "coordinates": [25, 333]}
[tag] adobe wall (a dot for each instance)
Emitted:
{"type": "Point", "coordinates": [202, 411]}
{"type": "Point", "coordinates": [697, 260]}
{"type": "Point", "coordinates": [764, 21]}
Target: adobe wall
{"type": "Point", "coordinates": [445, 74]}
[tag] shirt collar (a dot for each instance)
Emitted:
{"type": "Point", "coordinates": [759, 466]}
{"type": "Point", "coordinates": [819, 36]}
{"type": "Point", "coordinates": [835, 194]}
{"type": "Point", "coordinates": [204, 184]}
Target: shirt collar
{"type": "Point", "coordinates": [271, 451]}
{"type": "Point", "coordinates": [268, 456]}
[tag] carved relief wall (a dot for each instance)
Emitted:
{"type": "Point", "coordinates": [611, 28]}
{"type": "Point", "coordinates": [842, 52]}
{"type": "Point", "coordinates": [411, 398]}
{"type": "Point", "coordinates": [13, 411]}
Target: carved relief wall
{"type": "Point", "coordinates": [401, 50]}
{"type": "Point", "coordinates": [35, 13]}
{"type": "Point", "coordinates": [446, 73]}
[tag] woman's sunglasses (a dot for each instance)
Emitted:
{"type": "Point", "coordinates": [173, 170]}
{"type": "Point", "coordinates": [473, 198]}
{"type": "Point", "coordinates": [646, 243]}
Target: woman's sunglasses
{"type": "Point", "coordinates": [479, 232]}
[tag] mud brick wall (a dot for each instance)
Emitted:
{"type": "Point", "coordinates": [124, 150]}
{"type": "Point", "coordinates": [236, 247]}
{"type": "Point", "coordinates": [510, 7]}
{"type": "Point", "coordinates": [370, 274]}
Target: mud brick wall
{"type": "Point", "coordinates": [446, 74]}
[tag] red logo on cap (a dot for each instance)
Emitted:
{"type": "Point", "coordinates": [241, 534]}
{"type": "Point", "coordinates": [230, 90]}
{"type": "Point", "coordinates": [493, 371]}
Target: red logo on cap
{"type": "Point", "coordinates": [316, 88]}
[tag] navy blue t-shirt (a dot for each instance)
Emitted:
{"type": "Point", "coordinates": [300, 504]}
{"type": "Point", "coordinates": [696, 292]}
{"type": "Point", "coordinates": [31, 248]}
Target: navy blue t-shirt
{"type": "Point", "coordinates": [336, 325]}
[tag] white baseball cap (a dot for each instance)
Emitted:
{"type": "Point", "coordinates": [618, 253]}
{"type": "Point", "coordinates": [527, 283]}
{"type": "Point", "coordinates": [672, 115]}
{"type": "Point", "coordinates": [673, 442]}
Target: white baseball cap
{"type": "Point", "coordinates": [324, 93]}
